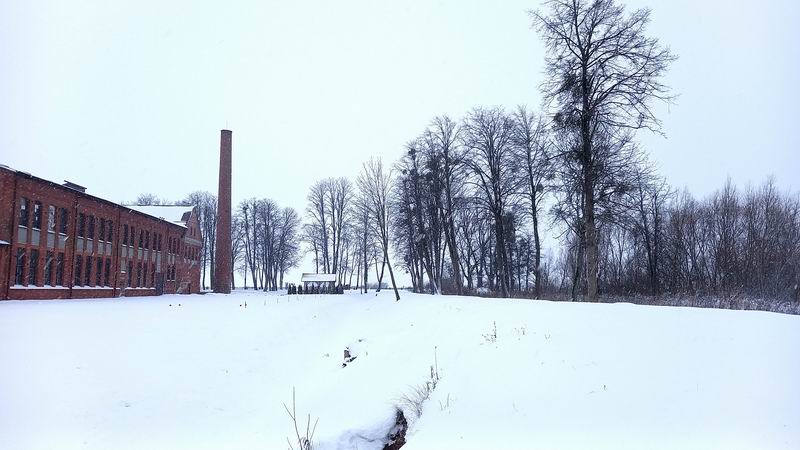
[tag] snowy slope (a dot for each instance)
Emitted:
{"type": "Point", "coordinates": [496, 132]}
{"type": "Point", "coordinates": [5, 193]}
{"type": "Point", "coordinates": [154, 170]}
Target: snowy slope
{"type": "Point", "coordinates": [211, 374]}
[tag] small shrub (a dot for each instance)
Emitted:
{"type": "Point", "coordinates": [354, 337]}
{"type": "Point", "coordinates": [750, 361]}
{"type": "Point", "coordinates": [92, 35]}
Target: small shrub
{"type": "Point", "coordinates": [306, 441]}
{"type": "Point", "coordinates": [414, 400]}
{"type": "Point", "coordinates": [492, 337]}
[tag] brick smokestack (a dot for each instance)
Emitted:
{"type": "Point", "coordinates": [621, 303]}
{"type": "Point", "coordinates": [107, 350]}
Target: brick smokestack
{"type": "Point", "coordinates": [223, 257]}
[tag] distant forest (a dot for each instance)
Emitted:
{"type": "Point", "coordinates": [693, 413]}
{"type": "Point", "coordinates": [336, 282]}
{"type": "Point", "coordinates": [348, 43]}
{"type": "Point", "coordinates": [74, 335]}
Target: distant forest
{"type": "Point", "coordinates": [464, 208]}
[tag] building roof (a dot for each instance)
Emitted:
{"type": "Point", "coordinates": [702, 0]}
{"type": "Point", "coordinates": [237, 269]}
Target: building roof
{"type": "Point", "coordinates": [318, 277]}
{"type": "Point", "coordinates": [177, 214]}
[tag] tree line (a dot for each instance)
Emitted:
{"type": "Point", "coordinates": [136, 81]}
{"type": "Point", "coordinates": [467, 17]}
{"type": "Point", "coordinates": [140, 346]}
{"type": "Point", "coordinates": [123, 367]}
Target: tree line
{"type": "Point", "coordinates": [559, 201]}
{"type": "Point", "coordinates": [469, 197]}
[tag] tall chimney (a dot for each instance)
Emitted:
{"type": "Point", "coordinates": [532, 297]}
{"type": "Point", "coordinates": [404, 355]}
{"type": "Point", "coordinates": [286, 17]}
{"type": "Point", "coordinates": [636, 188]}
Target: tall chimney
{"type": "Point", "coordinates": [223, 263]}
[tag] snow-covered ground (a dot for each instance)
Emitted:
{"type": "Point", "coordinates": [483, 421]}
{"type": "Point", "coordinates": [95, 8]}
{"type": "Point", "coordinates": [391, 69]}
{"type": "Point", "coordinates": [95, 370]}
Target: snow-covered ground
{"type": "Point", "coordinates": [146, 373]}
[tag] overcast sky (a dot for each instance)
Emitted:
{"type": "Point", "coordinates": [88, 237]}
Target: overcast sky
{"type": "Point", "coordinates": [127, 97]}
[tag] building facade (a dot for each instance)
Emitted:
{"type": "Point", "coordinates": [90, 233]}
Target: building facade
{"type": "Point", "coordinates": [57, 241]}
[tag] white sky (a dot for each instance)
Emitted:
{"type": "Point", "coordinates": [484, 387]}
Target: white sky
{"type": "Point", "coordinates": [127, 97]}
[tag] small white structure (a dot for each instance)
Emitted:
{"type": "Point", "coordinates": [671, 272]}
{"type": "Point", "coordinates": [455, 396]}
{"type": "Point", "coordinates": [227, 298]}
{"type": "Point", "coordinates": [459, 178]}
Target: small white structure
{"type": "Point", "coordinates": [318, 280]}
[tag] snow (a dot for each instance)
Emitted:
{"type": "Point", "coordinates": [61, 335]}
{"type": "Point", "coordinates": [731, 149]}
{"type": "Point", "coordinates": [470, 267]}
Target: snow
{"type": "Point", "coordinates": [22, 286]}
{"type": "Point", "coordinates": [213, 371]}
{"type": "Point", "coordinates": [170, 213]}
{"type": "Point", "coordinates": [2, 242]}
{"type": "Point", "coordinates": [318, 277]}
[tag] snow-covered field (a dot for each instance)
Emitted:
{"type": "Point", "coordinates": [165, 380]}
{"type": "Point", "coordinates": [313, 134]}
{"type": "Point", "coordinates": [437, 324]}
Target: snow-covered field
{"type": "Point", "coordinates": [146, 373]}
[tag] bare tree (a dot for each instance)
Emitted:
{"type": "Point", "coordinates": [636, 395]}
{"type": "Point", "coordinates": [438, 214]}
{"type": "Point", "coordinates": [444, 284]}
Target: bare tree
{"type": "Point", "coordinates": [206, 204]}
{"type": "Point", "coordinates": [287, 248]}
{"type": "Point", "coordinates": [340, 194]}
{"type": "Point", "coordinates": [317, 231]}
{"type": "Point", "coordinates": [444, 133]}
{"type": "Point", "coordinates": [375, 186]}
{"type": "Point", "coordinates": [487, 137]}
{"type": "Point", "coordinates": [147, 199]}
{"type": "Point", "coordinates": [602, 75]}
{"type": "Point", "coordinates": [238, 248]}
{"type": "Point", "coordinates": [328, 211]}
{"type": "Point", "coordinates": [531, 147]}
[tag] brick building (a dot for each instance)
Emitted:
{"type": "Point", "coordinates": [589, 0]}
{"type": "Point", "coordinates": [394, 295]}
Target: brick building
{"type": "Point", "coordinates": [57, 241]}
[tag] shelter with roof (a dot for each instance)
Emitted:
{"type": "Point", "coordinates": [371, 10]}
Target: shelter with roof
{"type": "Point", "coordinates": [318, 281]}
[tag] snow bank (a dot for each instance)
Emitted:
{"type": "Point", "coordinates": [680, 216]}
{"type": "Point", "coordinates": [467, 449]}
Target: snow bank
{"type": "Point", "coordinates": [211, 374]}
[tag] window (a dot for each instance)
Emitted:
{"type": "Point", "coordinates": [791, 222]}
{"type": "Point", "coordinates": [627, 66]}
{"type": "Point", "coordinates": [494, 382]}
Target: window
{"type": "Point", "coordinates": [102, 234]}
{"type": "Point", "coordinates": [51, 218]}
{"type": "Point", "coordinates": [144, 275]}
{"type": "Point", "coordinates": [159, 241]}
{"type": "Point", "coordinates": [23, 212]}
{"type": "Point", "coordinates": [60, 269]}
{"type": "Point", "coordinates": [107, 273]}
{"type": "Point", "coordinates": [130, 273]}
{"type": "Point", "coordinates": [125, 234]}
{"type": "Point", "coordinates": [33, 265]}
{"type": "Point", "coordinates": [98, 280]}
{"type": "Point", "coordinates": [19, 277]}
{"type": "Point", "coordinates": [48, 269]}
{"type": "Point", "coordinates": [64, 218]}
{"type": "Point", "coordinates": [141, 238]}
{"type": "Point", "coordinates": [78, 267]}
{"type": "Point", "coordinates": [37, 215]}
{"type": "Point", "coordinates": [132, 238]}
{"type": "Point", "coordinates": [147, 240]}
{"type": "Point", "coordinates": [138, 274]}
{"type": "Point", "coordinates": [110, 232]}
{"type": "Point", "coordinates": [81, 224]}
{"type": "Point", "coordinates": [152, 275]}
{"type": "Point", "coordinates": [88, 274]}
{"type": "Point", "coordinates": [91, 228]}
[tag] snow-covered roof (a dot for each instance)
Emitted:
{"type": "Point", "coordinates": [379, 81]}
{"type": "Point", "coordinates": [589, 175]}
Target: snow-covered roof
{"type": "Point", "coordinates": [177, 214]}
{"type": "Point", "coordinates": [318, 277]}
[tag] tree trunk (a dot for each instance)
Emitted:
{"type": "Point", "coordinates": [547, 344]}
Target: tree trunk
{"type": "Point", "coordinates": [394, 285]}
{"type": "Point", "coordinates": [537, 259]}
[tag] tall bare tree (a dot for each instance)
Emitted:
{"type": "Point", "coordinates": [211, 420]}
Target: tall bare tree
{"type": "Point", "coordinates": [531, 147]}
{"type": "Point", "coordinates": [444, 133]}
{"type": "Point", "coordinates": [206, 204]}
{"type": "Point", "coordinates": [375, 186]}
{"type": "Point", "coordinates": [486, 134]}
{"type": "Point", "coordinates": [603, 73]}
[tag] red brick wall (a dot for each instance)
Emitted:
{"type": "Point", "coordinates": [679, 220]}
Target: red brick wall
{"type": "Point", "coordinates": [7, 183]}
{"type": "Point", "coordinates": [153, 261]}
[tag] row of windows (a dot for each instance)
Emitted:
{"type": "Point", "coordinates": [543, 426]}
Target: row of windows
{"type": "Point", "coordinates": [82, 275]}
{"type": "Point", "coordinates": [27, 268]}
{"type": "Point", "coordinates": [36, 223]}
{"type": "Point", "coordinates": [87, 224]}
{"type": "Point", "coordinates": [40, 267]}
{"type": "Point", "coordinates": [86, 228]}
{"type": "Point", "coordinates": [89, 271]}
{"type": "Point", "coordinates": [144, 277]}
{"type": "Point", "coordinates": [129, 238]}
